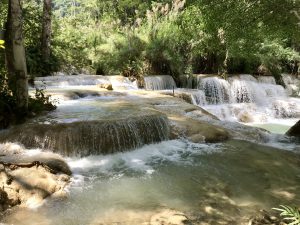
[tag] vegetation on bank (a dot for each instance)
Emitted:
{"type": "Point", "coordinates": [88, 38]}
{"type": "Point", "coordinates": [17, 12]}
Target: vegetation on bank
{"type": "Point", "coordinates": [10, 112]}
{"type": "Point", "coordinates": [138, 37]}
{"type": "Point", "coordinates": [289, 214]}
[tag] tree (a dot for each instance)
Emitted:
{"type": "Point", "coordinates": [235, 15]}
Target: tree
{"type": "Point", "coordinates": [15, 56]}
{"type": "Point", "coordinates": [46, 31]}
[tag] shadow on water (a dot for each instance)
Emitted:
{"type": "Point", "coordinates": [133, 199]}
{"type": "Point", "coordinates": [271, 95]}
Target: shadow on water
{"type": "Point", "coordinates": [212, 184]}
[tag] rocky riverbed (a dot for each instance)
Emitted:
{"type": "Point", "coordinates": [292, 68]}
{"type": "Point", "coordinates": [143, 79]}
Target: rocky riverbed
{"type": "Point", "coordinates": [28, 179]}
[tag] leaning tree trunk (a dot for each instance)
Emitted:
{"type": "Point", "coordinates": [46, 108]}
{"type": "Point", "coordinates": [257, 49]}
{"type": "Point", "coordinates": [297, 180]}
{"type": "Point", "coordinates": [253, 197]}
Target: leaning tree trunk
{"type": "Point", "coordinates": [46, 31]}
{"type": "Point", "coordinates": [15, 55]}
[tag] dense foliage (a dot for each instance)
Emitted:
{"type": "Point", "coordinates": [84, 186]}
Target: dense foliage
{"type": "Point", "coordinates": [136, 37]}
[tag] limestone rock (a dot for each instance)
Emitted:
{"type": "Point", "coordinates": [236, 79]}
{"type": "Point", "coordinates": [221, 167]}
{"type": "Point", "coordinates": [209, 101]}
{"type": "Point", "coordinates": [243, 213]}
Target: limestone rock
{"type": "Point", "coordinates": [106, 86]}
{"type": "Point", "coordinates": [27, 179]}
{"type": "Point", "coordinates": [197, 131]}
{"type": "Point", "coordinates": [28, 187]}
{"type": "Point", "coordinates": [265, 218]}
{"type": "Point", "coordinates": [294, 130]}
{"type": "Point", "coordinates": [169, 217]}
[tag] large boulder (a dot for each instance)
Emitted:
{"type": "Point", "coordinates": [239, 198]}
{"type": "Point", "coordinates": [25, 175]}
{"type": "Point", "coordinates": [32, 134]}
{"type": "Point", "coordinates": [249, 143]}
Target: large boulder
{"type": "Point", "coordinates": [28, 179]}
{"type": "Point", "coordinates": [197, 131]}
{"type": "Point", "coordinates": [294, 130]}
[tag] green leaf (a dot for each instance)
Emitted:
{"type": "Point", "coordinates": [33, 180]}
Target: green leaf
{"type": "Point", "coordinates": [289, 214]}
{"type": "Point", "coordinates": [2, 44]}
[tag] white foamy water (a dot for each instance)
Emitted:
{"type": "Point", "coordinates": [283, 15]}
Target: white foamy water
{"type": "Point", "coordinates": [71, 80]}
{"type": "Point", "coordinates": [117, 82]}
{"type": "Point", "coordinates": [170, 175]}
{"type": "Point", "coordinates": [159, 82]}
{"type": "Point", "coordinates": [142, 159]}
{"type": "Point", "coordinates": [248, 100]}
{"type": "Point", "coordinates": [122, 83]}
{"type": "Point", "coordinates": [217, 91]}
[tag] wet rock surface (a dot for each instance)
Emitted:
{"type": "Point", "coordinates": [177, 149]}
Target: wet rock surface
{"type": "Point", "coordinates": [198, 131]}
{"type": "Point", "coordinates": [106, 86]}
{"type": "Point", "coordinates": [266, 218]}
{"type": "Point", "coordinates": [85, 138]}
{"type": "Point", "coordinates": [28, 180]}
{"type": "Point", "coordinates": [169, 217]}
{"type": "Point", "coordinates": [294, 130]}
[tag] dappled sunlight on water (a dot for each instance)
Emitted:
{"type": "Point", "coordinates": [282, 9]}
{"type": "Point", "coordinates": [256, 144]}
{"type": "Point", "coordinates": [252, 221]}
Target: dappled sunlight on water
{"type": "Point", "coordinates": [216, 182]}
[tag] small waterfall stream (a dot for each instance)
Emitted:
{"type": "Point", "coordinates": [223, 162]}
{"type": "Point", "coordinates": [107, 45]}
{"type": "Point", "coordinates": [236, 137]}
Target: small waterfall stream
{"type": "Point", "coordinates": [244, 98]}
{"type": "Point", "coordinates": [160, 82]}
{"type": "Point", "coordinates": [71, 80]}
{"type": "Point", "coordinates": [117, 82]}
{"type": "Point", "coordinates": [247, 99]}
{"type": "Point", "coordinates": [85, 138]}
{"type": "Point", "coordinates": [111, 185]}
{"type": "Point", "coordinates": [217, 91]}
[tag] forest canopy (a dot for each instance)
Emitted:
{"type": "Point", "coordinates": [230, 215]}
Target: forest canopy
{"type": "Point", "coordinates": [138, 37]}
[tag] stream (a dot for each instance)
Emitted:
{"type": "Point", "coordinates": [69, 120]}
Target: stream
{"type": "Point", "coordinates": [210, 183]}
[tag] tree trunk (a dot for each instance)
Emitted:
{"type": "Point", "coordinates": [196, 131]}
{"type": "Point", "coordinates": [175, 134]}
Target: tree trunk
{"type": "Point", "coordinates": [46, 31]}
{"type": "Point", "coordinates": [15, 55]}
{"type": "Point", "coordinates": [225, 65]}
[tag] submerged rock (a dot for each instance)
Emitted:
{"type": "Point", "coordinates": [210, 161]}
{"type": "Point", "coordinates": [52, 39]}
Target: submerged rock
{"type": "Point", "coordinates": [294, 130]}
{"type": "Point", "coordinates": [198, 131]}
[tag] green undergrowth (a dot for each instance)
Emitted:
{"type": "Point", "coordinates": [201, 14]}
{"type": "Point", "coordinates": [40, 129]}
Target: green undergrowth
{"type": "Point", "coordinates": [9, 112]}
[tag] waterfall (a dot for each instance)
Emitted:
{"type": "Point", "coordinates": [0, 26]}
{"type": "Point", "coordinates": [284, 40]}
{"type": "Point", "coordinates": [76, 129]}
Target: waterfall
{"type": "Point", "coordinates": [272, 90]}
{"type": "Point", "coordinates": [243, 91]}
{"type": "Point", "coordinates": [246, 89]}
{"type": "Point", "coordinates": [246, 99]}
{"type": "Point", "coordinates": [217, 91]}
{"type": "Point", "coordinates": [266, 79]}
{"type": "Point", "coordinates": [117, 82]}
{"type": "Point", "coordinates": [192, 96]}
{"type": "Point", "coordinates": [122, 83]}
{"type": "Point", "coordinates": [71, 80]}
{"type": "Point", "coordinates": [292, 84]}
{"type": "Point", "coordinates": [285, 109]}
{"type": "Point", "coordinates": [161, 82]}
{"type": "Point", "coordinates": [247, 77]}
{"type": "Point", "coordinates": [198, 98]}
{"type": "Point", "coordinates": [92, 137]}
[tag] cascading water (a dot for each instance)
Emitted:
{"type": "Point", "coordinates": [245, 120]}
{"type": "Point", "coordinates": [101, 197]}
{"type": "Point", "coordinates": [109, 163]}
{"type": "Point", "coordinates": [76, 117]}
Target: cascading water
{"type": "Point", "coordinates": [247, 99]}
{"type": "Point", "coordinates": [122, 83]}
{"type": "Point", "coordinates": [244, 91]}
{"type": "Point", "coordinates": [84, 138]}
{"type": "Point", "coordinates": [76, 80]}
{"type": "Point", "coordinates": [117, 82]}
{"type": "Point", "coordinates": [137, 187]}
{"type": "Point", "coordinates": [292, 84]}
{"type": "Point", "coordinates": [146, 185]}
{"type": "Point", "coordinates": [266, 79]}
{"type": "Point", "coordinates": [198, 98]}
{"type": "Point", "coordinates": [242, 98]}
{"type": "Point", "coordinates": [217, 91]}
{"type": "Point", "coordinates": [161, 82]}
